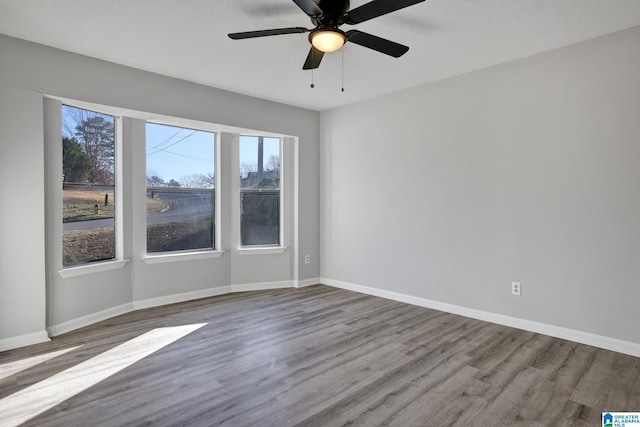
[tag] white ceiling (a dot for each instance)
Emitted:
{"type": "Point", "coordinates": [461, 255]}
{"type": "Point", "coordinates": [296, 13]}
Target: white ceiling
{"type": "Point", "coordinates": [188, 39]}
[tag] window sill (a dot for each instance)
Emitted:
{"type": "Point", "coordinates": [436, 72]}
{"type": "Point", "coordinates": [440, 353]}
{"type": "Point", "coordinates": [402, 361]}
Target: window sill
{"type": "Point", "coordinates": [92, 268]}
{"type": "Point", "coordinates": [262, 250]}
{"type": "Point", "coordinates": [185, 256]}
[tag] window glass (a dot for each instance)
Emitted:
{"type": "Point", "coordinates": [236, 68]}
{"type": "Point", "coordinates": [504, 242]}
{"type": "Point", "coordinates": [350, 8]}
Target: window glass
{"type": "Point", "coordinates": [180, 188]}
{"type": "Point", "coordinates": [88, 166]}
{"type": "Point", "coordinates": [259, 191]}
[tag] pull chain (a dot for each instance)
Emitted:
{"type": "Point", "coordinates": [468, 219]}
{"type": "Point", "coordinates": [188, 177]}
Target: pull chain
{"type": "Point", "coordinates": [342, 69]}
{"type": "Point", "coordinates": [312, 85]}
{"type": "Point", "coordinates": [312, 76]}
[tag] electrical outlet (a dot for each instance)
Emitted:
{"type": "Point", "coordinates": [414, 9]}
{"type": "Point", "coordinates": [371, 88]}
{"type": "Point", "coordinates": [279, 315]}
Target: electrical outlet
{"type": "Point", "coordinates": [515, 288]}
{"type": "Point", "coordinates": [307, 259]}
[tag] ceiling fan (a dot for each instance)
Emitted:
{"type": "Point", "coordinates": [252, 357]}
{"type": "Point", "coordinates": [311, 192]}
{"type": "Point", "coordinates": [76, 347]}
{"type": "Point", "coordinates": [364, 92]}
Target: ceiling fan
{"type": "Point", "coordinates": [328, 16]}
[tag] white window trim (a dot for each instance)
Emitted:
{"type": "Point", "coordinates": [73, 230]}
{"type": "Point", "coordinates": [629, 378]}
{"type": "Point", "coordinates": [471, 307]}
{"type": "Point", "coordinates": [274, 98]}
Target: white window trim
{"type": "Point", "coordinates": [118, 191]}
{"type": "Point", "coordinates": [282, 184]}
{"type": "Point", "coordinates": [261, 250]}
{"type": "Point", "coordinates": [203, 253]}
{"type": "Point", "coordinates": [218, 191]}
{"type": "Point", "coordinates": [226, 192]}
{"type": "Point", "coordinates": [97, 267]}
{"type": "Point", "coordinates": [165, 257]}
{"type": "Point", "coordinates": [119, 261]}
{"type": "Point", "coordinates": [264, 249]}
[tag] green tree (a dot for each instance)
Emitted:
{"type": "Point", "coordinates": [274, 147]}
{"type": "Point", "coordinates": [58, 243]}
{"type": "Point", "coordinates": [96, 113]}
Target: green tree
{"type": "Point", "coordinates": [155, 181]}
{"type": "Point", "coordinates": [173, 183]}
{"type": "Point", "coordinates": [76, 164]}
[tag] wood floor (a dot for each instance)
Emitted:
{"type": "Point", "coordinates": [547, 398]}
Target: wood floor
{"type": "Point", "coordinates": [320, 356]}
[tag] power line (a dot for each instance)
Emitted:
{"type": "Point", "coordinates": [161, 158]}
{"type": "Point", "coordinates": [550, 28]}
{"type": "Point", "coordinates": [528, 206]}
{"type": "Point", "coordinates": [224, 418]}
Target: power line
{"type": "Point", "coordinates": [158, 145]}
{"type": "Point", "coordinates": [187, 157]}
{"type": "Point", "coordinates": [158, 149]}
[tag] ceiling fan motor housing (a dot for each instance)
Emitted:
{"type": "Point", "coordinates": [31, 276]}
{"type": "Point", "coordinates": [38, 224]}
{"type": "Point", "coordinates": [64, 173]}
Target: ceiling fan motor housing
{"type": "Point", "coordinates": [333, 12]}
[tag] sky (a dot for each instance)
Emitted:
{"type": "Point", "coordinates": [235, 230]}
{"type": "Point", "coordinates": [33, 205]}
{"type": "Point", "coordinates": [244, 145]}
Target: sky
{"type": "Point", "coordinates": [174, 152]}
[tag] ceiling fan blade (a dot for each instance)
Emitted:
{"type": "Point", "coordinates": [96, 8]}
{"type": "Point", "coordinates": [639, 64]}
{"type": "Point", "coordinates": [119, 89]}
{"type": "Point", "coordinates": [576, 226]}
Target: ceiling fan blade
{"type": "Point", "coordinates": [377, 43]}
{"type": "Point", "coordinates": [263, 33]}
{"type": "Point", "coordinates": [313, 59]}
{"type": "Point", "coordinates": [309, 7]}
{"type": "Point", "coordinates": [377, 8]}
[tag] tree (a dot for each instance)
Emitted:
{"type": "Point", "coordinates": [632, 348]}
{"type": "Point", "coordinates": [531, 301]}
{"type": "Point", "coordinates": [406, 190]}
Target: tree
{"type": "Point", "coordinates": [155, 181]}
{"type": "Point", "coordinates": [246, 168]}
{"type": "Point", "coordinates": [208, 180]}
{"type": "Point", "coordinates": [273, 163]}
{"type": "Point", "coordinates": [97, 136]}
{"type": "Point", "coordinates": [173, 183]}
{"type": "Point", "coordinates": [198, 180]}
{"type": "Point", "coordinates": [76, 164]}
{"type": "Point", "coordinates": [191, 181]}
{"type": "Point", "coordinates": [95, 133]}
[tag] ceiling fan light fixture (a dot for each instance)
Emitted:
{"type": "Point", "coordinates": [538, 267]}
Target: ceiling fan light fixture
{"type": "Point", "coordinates": [328, 39]}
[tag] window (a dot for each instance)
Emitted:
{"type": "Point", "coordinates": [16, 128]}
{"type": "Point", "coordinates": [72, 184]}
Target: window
{"type": "Point", "coordinates": [180, 188]}
{"type": "Point", "coordinates": [260, 191]}
{"type": "Point", "coordinates": [88, 186]}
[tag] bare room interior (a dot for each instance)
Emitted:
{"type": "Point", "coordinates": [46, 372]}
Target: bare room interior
{"type": "Point", "coordinates": [319, 212]}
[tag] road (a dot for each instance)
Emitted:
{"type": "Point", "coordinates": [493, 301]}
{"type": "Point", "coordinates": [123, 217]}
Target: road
{"type": "Point", "coordinates": [182, 206]}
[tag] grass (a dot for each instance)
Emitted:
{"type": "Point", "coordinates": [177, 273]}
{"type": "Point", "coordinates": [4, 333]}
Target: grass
{"type": "Point", "coordinates": [178, 236]}
{"type": "Point", "coordinates": [155, 205]}
{"type": "Point", "coordinates": [79, 205]}
{"type": "Point", "coordinates": [82, 246]}
{"type": "Point", "coordinates": [98, 244]}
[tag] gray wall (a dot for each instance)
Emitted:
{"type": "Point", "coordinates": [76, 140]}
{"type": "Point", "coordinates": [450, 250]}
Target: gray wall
{"type": "Point", "coordinates": [30, 72]}
{"type": "Point", "coordinates": [526, 171]}
{"type": "Point", "coordinates": [22, 260]}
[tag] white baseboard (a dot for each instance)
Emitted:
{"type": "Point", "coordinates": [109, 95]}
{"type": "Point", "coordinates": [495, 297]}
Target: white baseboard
{"type": "Point", "coordinates": [308, 282]}
{"type": "Point", "coordinates": [182, 297]}
{"type": "Point", "coordinates": [261, 286]}
{"type": "Point", "coordinates": [582, 337]}
{"type": "Point", "coordinates": [23, 340]}
{"type": "Point", "coordinates": [89, 319]}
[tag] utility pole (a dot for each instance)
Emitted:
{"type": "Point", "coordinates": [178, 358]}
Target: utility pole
{"type": "Point", "coordinates": [260, 158]}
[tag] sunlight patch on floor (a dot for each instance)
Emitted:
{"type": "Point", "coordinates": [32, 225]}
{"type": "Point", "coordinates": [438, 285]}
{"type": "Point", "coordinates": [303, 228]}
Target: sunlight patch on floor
{"type": "Point", "coordinates": [27, 403]}
{"type": "Point", "coordinates": [12, 368]}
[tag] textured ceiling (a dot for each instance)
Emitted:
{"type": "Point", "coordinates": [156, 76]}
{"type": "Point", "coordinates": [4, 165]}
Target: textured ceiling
{"type": "Point", "coordinates": [188, 39]}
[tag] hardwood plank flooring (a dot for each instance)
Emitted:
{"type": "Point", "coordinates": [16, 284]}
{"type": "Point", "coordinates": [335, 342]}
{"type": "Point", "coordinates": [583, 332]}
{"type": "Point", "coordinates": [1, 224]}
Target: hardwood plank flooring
{"type": "Point", "coordinates": [319, 356]}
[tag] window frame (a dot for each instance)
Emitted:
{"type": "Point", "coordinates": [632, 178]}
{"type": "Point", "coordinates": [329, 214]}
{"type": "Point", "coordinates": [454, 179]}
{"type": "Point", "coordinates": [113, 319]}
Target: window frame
{"type": "Point", "coordinates": [287, 197]}
{"type": "Point", "coordinates": [118, 261]}
{"type": "Point", "coordinates": [131, 186]}
{"type": "Point", "coordinates": [197, 253]}
{"type": "Point", "coordinates": [280, 247]}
